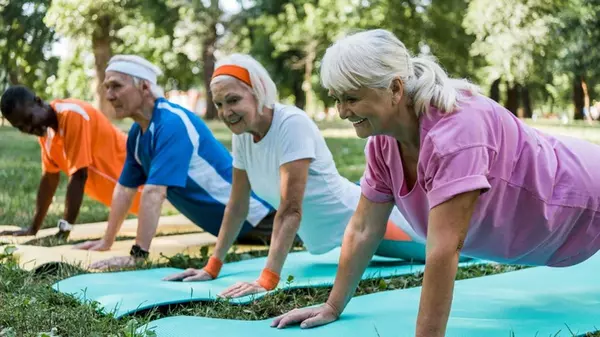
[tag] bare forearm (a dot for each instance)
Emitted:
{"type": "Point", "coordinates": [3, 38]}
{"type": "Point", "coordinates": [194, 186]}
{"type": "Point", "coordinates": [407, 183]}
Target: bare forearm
{"type": "Point", "coordinates": [150, 205]}
{"type": "Point", "coordinates": [285, 227]}
{"type": "Point", "coordinates": [75, 191]}
{"type": "Point", "coordinates": [358, 248]}
{"type": "Point", "coordinates": [46, 190]}
{"type": "Point", "coordinates": [233, 221]}
{"type": "Point", "coordinates": [436, 294]}
{"type": "Point", "coordinates": [120, 204]}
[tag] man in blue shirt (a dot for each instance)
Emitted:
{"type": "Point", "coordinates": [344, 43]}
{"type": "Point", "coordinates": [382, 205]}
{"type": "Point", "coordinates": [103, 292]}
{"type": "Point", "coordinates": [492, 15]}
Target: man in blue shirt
{"type": "Point", "coordinates": [173, 154]}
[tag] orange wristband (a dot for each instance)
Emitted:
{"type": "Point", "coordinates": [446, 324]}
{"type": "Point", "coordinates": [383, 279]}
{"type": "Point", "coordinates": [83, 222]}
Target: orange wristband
{"type": "Point", "coordinates": [268, 279]}
{"type": "Point", "coordinates": [213, 267]}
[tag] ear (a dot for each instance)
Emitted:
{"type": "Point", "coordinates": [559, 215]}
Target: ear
{"type": "Point", "coordinates": [38, 101]}
{"type": "Point", "coordinates": [397, 88]}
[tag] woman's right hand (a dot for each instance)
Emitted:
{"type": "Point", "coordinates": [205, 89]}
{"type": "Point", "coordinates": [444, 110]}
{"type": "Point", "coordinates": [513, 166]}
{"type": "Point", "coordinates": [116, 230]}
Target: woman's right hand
{"type": "Point", "coordinates": [189, 275]}
{"type": "Point", "coordinates": [307, 317]}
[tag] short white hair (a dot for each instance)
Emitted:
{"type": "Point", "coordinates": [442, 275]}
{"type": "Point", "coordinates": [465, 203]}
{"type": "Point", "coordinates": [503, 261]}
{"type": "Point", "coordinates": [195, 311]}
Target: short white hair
{"type": "Point", "coordinates": [373, 58]}
{"type": "Point", "coordinates": [263, 87]}
{"type": "Point", "coordinates": [146, 71]}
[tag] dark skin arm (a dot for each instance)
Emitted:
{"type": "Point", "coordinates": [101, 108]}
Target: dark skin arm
{"type": "Point", "coordinates": [46, 190]}
{"type": "Point", "coordinates": [75, 190]}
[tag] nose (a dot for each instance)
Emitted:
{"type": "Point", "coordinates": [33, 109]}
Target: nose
{"type": "Point", "coordinates": [343, 110]}
{"type": "Point", "coordinates": [110, 96]}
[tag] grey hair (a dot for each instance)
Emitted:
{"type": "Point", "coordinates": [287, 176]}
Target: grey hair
{"type": "Point", "coordinates": [373, 58]}
{"type": "Point", "coordinates": [156, 90]}
{"type": "Point", "coordinates": [263, 87]}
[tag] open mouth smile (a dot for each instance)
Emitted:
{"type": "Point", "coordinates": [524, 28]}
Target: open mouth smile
{"type": "Point", "coordinates": [358, 122]}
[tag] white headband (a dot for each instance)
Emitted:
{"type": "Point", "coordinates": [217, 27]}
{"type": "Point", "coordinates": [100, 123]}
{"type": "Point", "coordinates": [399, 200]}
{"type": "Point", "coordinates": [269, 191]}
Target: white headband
{"type": "Point", "coordinates": [133, 69]}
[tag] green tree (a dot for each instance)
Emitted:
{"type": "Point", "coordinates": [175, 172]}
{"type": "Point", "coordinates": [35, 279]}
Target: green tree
{"type": "Point", "coordinates": [512, 36]}
{"type": "Point", "coordinates": [25, 44]}
{"type": "Point", "coordinates": [98, 22]}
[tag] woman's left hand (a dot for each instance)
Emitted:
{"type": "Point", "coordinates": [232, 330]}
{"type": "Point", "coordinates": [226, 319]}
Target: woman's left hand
{"type": "Point", "coordinates": [242, 289]}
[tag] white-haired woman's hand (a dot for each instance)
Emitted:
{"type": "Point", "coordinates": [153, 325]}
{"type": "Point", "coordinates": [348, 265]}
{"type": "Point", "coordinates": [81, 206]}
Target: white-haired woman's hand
{"type": "Point", "coordinates": [307, 317]}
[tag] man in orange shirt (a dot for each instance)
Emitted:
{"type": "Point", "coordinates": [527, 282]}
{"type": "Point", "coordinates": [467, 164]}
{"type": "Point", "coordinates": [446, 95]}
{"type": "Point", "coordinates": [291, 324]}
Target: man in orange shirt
{"type": "Point", "coordinates": [76, 139]}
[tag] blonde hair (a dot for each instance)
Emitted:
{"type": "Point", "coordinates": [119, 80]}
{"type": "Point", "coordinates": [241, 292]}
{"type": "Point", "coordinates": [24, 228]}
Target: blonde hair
{"type": "Point", "coordinates": [263, 87]}
{"type": "Point", "coordinates": [375, 57]}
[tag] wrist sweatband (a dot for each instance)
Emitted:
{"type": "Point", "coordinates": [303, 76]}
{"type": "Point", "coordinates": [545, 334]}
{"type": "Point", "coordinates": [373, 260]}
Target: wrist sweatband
{"type": "Point", "coordinates": [268, 279]}
{"type": "Point", "coordinates": [213, 267]}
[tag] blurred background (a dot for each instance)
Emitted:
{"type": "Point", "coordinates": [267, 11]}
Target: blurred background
{"type": "Point", "coordinates": [539, 58]}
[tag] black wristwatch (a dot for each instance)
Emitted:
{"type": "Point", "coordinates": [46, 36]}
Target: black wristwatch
{"type": "Point", "coordinates": [137, 251]}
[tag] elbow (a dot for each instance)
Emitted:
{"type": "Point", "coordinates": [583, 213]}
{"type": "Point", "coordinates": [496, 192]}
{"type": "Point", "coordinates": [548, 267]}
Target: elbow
{"type": "Point", "coordinates": [80, 175]}
{"type": "Point", "coordinates": [154, 192]}
{"type": "Point", "coordinates": [443, 254]}
{"type": "Point", "coordinates": [290, 214]}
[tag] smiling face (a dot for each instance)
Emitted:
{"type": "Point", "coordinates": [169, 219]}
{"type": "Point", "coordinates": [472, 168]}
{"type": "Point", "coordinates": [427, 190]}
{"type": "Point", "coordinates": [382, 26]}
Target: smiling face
{"type": "Point", "coordinates": [369, 110]}
{"type": "Point", "coordinates": [375, 111]}
{"type": "Point", "coordinates": [236, 104]}
{"type": "Point", "coordinates": [32, 117]}
{"type": "Point", "coordinates": [122, 93]}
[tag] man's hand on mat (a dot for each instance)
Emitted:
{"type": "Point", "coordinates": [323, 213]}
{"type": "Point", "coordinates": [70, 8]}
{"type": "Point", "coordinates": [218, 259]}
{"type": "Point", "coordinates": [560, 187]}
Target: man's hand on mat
{"type": "Point", "coordinates": [20, 232]}
{"type": "Point", "coordinates": [115, 263]}
{"type": "Point", "coordinates": [242, 289]}
{"type": "Point", "coordinates": [189, 275]}
{"type": "Point", "coordinates": [307, 317]}
{"type": "Point", "coordinates": [98, 245]}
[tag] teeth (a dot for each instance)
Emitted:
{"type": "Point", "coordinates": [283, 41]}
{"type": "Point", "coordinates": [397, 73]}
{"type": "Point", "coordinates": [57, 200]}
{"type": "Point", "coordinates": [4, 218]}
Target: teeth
{"type": "Point", "coordinates": [359, 121]}
{"type": "Point", "coordinates": [235, 120]}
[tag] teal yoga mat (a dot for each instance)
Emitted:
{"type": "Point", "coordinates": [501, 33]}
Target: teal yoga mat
{"type": "Point", "coordinates": [123, 293]}
{"type": "Point", "coordinates": [532, 302]}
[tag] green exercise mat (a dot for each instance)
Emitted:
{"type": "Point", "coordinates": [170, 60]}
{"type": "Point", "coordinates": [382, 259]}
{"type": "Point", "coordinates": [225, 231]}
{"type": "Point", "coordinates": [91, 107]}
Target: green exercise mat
{"type": "Point", "coordinates": [125, 292]}
{"type": "Point", "coordinates": [539, 301]}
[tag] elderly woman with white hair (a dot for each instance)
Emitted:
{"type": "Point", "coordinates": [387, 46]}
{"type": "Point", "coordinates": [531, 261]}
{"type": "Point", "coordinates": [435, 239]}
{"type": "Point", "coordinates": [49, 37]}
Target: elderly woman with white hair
{"type": "Point", "coordinates": [279, 152]}
{"type": "Point", "coordinates": [174, 156]}
{"type": "Point", "coordinates": [467, 174]}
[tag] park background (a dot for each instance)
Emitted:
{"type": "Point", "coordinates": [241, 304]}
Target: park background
{"type": "Point", "coordinates": [538, 58]}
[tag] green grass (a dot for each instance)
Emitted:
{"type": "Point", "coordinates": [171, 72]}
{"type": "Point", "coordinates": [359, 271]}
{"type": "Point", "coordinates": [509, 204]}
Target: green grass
{"type": "Point", "coordinates": [29, 307]}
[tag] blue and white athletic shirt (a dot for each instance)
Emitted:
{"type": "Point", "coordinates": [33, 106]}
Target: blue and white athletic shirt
{"type": "Point", "coordinates": [179, 151]}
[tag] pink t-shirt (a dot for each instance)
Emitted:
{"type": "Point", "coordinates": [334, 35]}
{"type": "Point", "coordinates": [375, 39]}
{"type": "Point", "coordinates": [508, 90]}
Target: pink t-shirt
{"type": "Point", "coordinates": [540, 198]}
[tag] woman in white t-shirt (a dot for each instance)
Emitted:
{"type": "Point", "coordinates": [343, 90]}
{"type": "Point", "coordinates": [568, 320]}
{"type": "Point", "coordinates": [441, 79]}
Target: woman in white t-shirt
{"type": "Point", "coordinates": [280, 154]}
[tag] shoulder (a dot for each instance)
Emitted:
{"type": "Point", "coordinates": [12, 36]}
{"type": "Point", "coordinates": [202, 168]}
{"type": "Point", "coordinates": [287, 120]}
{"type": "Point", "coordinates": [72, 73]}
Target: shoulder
{"type": "Point", "coordinates": [172, 118]}
{"type": "Point", "coordinates": [291, 118]}
{"type": "Point", "coordinates": [73, 109]}
{"type": "Point", "coordinates": [476, 123]}
{"type": "Point", "coordinates": [380, 146]}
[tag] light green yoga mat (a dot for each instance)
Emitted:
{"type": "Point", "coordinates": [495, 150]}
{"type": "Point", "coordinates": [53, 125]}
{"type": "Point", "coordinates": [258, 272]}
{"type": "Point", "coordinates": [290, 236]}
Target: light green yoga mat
{"type": "Point", "coordinates": [538, 301]}
{"type": "Point", "coordinates": [123, 293]}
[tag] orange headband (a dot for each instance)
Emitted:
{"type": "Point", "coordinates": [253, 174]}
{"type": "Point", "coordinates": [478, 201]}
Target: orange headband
{"type": "Point", "coordinates": [235, 71]}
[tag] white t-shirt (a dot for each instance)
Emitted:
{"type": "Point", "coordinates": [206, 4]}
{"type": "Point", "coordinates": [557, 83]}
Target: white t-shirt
{"type": "Point", "coordinates": [329, 199]}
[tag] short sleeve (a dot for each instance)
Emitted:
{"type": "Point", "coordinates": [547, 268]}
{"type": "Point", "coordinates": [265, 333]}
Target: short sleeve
{"type": "Point", "coordinates": [461, 171]}
{"type": "Point", "coordinates": [172, 153]}
{"type": "Point", "coordinates": [296, 139]}
{"type": "Point", "coordinates": [376, 183]}
{"type": "Point", "coordinates": [239, 154]}
{"type": "Point", "coordinates": [48, 165]}
{"type": "Point", "coordinates": [77, 141]}
{"type": "Point", "coordinates": [132, 175]}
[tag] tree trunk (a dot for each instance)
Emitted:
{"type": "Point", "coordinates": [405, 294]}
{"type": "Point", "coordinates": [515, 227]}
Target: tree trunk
{"type": "Point", "coordinates": [526, 100]}
{"type": "Point", "coordinates": [208, 58]}
{"type": "Point", "coordinates": [300, 95]}
{"type": "Point", "coordinates": [512, 98]}
{"type": "Point", "coordinates": [495, 90]}
{"type": "Point", "coordinates": [13, 76]}
{"type": "Point", "coordinates": [102, 53]}
{"type": "Point", "coordinates": [578, 96]}
{"type": "Point", "coordinates": [309, 61]}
